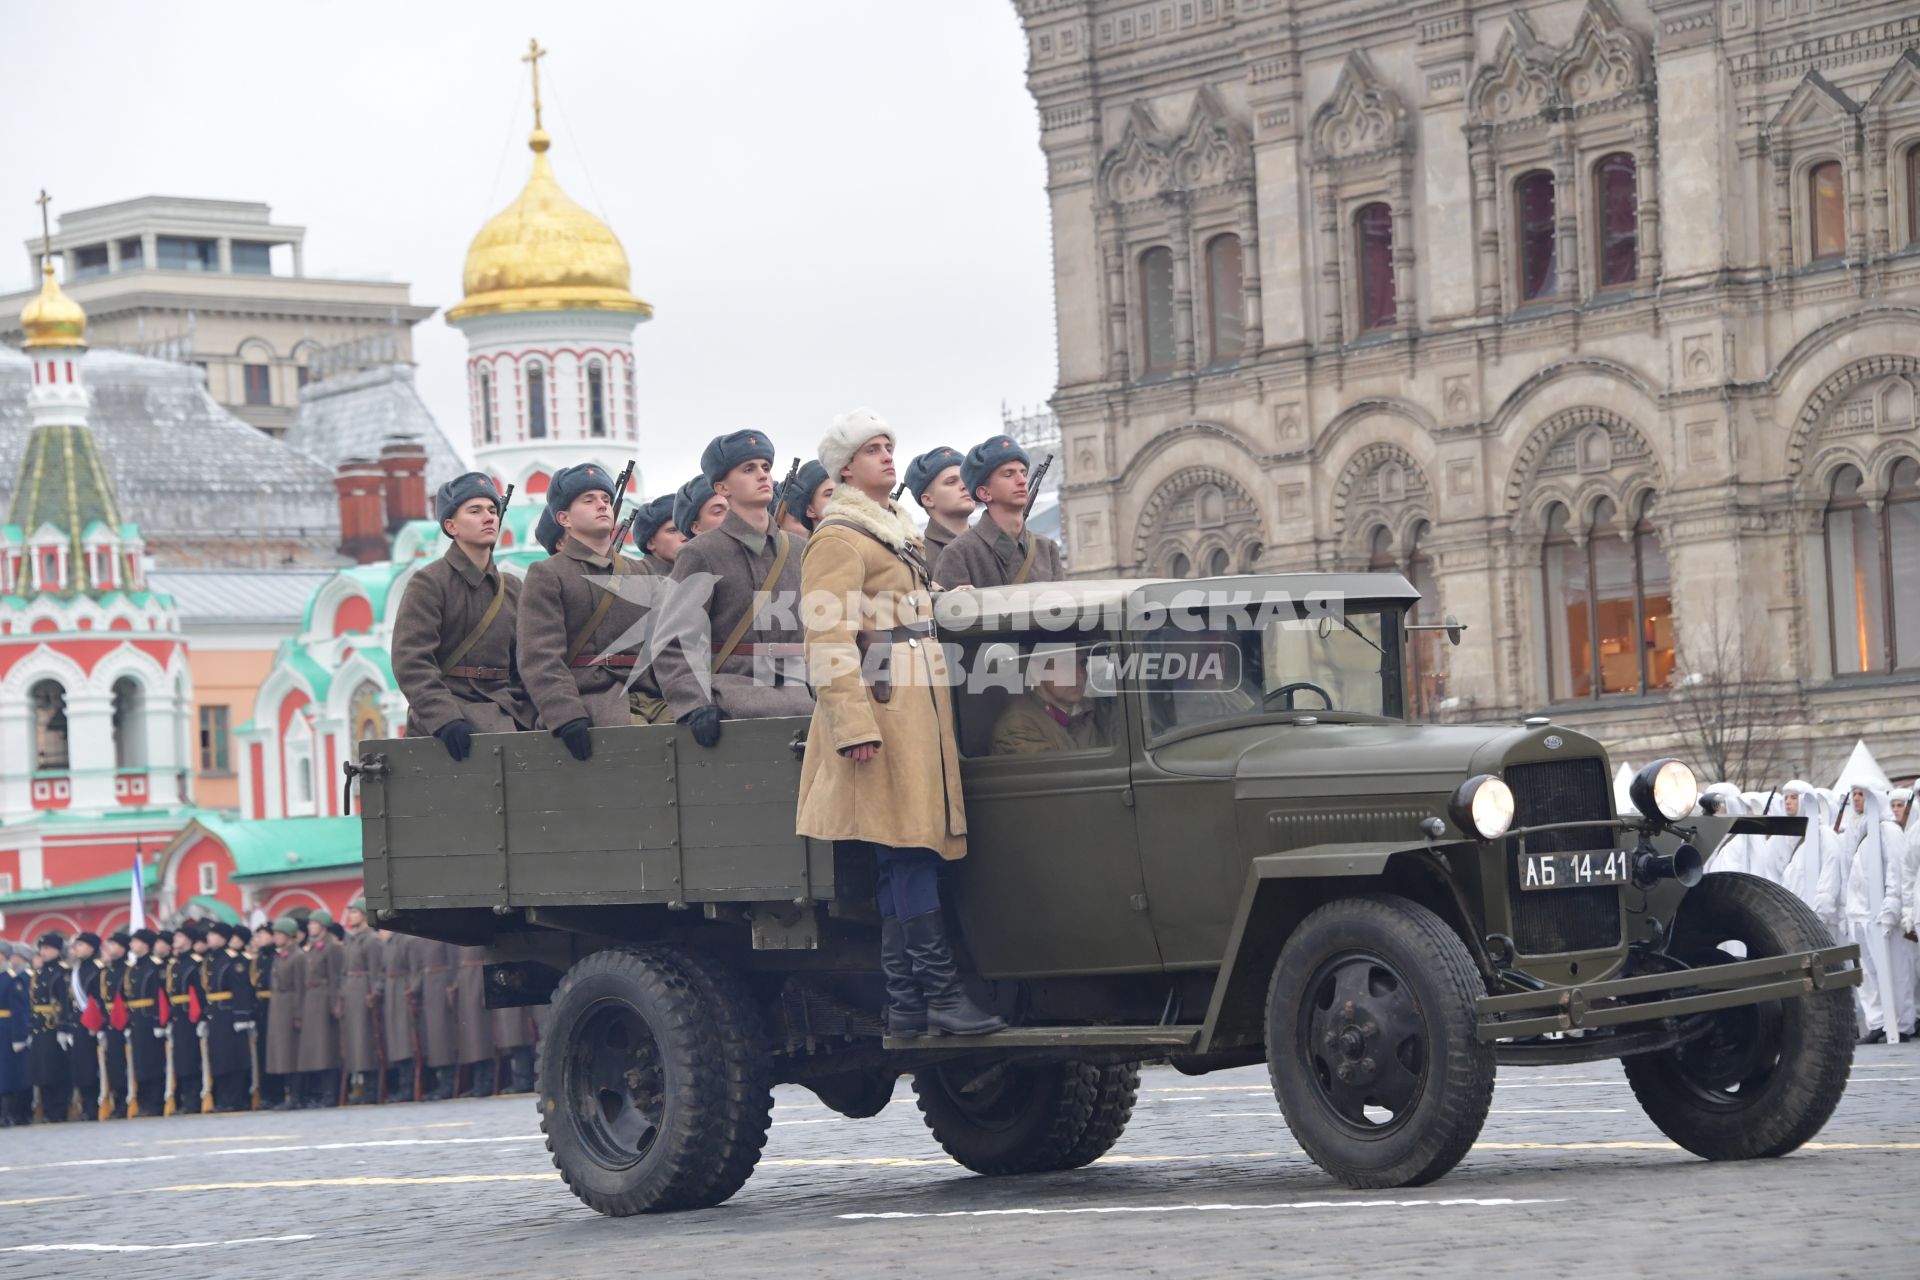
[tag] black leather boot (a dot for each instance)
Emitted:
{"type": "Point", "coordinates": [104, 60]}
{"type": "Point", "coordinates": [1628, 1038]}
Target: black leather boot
{"type": "Point", "coordinates": [950, 1011]}
{"type": "Point", "coordinates": [906, 1005]}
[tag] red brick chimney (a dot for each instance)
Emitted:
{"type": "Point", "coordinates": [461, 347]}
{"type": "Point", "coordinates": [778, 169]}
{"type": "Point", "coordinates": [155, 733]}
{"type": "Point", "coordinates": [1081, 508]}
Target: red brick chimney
{"type": "Point", "coordinates": [405, 463]}
{"type": "Point", "coordinates": [363, 508]}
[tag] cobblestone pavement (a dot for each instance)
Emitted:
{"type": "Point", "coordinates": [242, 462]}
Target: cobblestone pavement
{"type": "Point", "coordinates": [1568, 1178]}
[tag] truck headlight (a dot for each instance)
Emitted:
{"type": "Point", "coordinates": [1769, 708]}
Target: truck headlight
{"type": "Point", "coordinates": [1665, 789]}
{"type": "Point", "coordinates": [1482, 806]}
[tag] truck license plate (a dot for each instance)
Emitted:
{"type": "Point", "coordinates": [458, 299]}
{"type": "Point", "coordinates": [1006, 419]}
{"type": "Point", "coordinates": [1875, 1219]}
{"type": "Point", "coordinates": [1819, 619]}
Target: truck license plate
{"type": "Point", "coordinates": [1575, 870]}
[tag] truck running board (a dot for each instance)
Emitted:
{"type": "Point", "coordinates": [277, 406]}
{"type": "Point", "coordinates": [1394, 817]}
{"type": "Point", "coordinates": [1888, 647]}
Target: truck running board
{"type": "Point", "coordinates": [1155, 1040]}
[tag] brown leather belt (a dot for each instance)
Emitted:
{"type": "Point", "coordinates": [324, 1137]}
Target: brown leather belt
{"type": "Point", "coordinates": [781, 650]}
{"type": "Point", "coordinates": [479, 673]}
{"type": "Point", "coordinates": [624, 661]}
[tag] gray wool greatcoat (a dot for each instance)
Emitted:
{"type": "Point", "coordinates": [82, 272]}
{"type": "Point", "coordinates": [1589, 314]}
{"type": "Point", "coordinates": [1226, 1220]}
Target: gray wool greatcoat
{"type": "Point", "coordinates": [557, 601]}
{"type": "Point", "coordinates": [746, 685]}
{"type": "Point", "coordinates": [470, 1010]}
{"type": "Point", "coordinates": [360, 990]}
{"type": "Point", "coordinates": [984, 556]}
{"type": "Point", "coordinates": [443, 603]}
{"type": "Point", "coordinates": [321, 976]}
{"type": "Point", "coordinates": [439, 1036]}
{"type": "Point", "coordinates": [283, 1011]}
{"type": "Point", "coordinates": [400, 994]}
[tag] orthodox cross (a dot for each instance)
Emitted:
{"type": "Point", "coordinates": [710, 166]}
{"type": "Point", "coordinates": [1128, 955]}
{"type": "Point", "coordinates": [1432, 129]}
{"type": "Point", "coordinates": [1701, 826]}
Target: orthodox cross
{"type": "Point", "coordinates": [46, 235]}
{"type": "Point", "coordinates": [532, 58]}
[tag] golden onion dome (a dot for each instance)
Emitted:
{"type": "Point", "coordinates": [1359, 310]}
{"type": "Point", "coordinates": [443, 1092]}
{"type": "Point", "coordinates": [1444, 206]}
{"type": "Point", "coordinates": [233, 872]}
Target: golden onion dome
{"type": "Point", "coordinates": [543, 252]}
{"type": "Point", "coordinates": [53, 319]}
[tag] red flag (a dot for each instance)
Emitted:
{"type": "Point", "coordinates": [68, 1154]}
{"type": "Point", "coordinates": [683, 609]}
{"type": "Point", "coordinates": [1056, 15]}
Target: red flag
{"type": "Point", "coordinates": [118, 1018]}
{"type": "Point", "coordinates": [90, 1017]}
{"type": "Point", "coordinates": [165, 1006]}
{"type": "Point", "coordinates": [193, 1004]}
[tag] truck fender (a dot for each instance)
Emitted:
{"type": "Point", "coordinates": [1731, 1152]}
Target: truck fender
{"type": "Point", "coordinates": [1281, 889]}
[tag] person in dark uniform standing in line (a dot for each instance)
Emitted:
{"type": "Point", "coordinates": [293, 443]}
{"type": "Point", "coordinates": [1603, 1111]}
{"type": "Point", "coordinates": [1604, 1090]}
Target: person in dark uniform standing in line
{"type": "Point", "coordinates": [360, 1007]}
{"type": "Point", "coordinates": [439, 1032]}
{"type": "Point", "coordinates": [16, 1035]}
{"type": "Point", "coordinates": [753, 664]}
{"type": "Point", "coordinates": [229, 1019]}
{"type": "Point", "coordinates": [805, 497]}
{"type": "Point", "coordinates": [53, 1028]}
{"type": "Point", "coordinates": [144, 987]}
{"type": "Point", "coordinates": [400, 1013]}
{"type": "Point", "coordinates": [89, 1019]}
{"type": "Point", "coordinates": [186, 993]}
{"type": "Point", "coordinates": [570, 623]}
{"type": "Point", "coordinates": [935, 485]}
{"type": "Point", "coordinates": [286, 970]}
{"type": "Point", "coordinates": [260, 960]}
{"type": "Point", "coordinates": [998, 549]}
{"type": "Point", "coordinates": [454, 633]}
{"type": "Point", "coordinates": [322, 973]}
{"type": "Point", "coordinates": [109, 991]}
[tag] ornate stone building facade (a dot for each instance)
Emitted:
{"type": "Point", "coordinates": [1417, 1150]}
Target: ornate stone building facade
{"type": "Point", "coordinates": [1599, 318]}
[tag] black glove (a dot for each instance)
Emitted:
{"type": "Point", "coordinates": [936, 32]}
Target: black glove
{"type": "Point", "coordinates": [574, 734]}
{"type": "Point", "coordinates": [705, 723]}
{"type": "Point", "coordinates": [456, 737]}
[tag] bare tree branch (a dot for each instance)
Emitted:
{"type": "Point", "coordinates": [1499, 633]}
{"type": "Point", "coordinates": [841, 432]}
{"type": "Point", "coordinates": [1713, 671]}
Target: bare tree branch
{"type": "Point", "coordinates": [1723, 704]}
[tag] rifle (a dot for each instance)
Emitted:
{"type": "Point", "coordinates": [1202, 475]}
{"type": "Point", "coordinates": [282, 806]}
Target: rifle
{"type": "Point", "coordinates": [1033, 486]}
{"type": "Point", "coordinates": [780, 504]}
{"type": "Point", "coordinates": [898, 490]}
{"type": "Point", "coordinates": [620, 534]}
{"type": "Point", "coordinates": [620, 490]}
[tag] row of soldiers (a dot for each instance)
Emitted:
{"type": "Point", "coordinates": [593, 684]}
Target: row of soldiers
{"type": "Point", "coordinates": [218, 1017]}
{"type": "Point", "coordinates": [479, 651]}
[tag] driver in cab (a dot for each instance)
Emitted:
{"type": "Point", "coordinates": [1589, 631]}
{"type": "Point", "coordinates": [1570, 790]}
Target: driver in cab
{"type": "Point", "coordinates": [1055, 712]}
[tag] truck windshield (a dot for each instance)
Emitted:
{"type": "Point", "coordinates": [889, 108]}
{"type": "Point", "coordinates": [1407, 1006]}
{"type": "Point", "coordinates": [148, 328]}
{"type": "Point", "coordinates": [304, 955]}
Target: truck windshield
{"type": "Point", "coordinates": [1348, 662]}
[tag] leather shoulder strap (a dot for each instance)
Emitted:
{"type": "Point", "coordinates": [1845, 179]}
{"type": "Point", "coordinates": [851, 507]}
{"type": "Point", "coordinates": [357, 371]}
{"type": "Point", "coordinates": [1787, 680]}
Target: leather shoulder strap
{"type": "Point", "coordinates": [486, 620]}
{"type": "Point", "coordinates": [1026, 565]}
{"type": "Point", "coordinates": [784, 544]}
{"type": "Point", "coordinates": [915, 562]}
{"type": "Point", "coordinates": [580, 639]}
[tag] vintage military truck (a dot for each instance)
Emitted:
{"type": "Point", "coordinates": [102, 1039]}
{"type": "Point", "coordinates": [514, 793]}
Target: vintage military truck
{"type": "Point", "coordinates": [1248, 855]}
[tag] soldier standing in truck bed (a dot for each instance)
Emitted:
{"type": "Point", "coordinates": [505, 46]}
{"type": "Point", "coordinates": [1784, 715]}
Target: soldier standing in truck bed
{"type": "Point", "coordinates": [998, 549]}
{"type": "Point", "coordinates": [360, 1006]}
{"type": "Point", "coordinates": [754, 665]}
{"type": "Point", "coordinates": [697, 508]}
{"type": "Point", "coordinates": [934, 484]}
{"type": "Point", "coordinates": [453, 636]}
{"type": "Point", "coordinates": [571, 618]}
{"type": "Point", "coordinates": [659, 541]}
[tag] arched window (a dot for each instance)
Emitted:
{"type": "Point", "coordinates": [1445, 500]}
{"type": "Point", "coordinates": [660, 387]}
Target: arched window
{"type": "Point", "coordinates": [1156, 302]}
{"type": "Point", "coordinates": [1537, 235]}
{"type": "Point", "coordinates": [1380, 550]}
{"type": "Point", "coordinates": [129, 724]}
{"type": "Point", "coordinates": [485, 384]}
{"type": "Point", "coordinates": [1616, 195]}
{"type": "Point", "coordinates": [1826, 212]}
{"type": "Point", "coordinates": [596, 399]}
{"type": "Point", "coordinates": [1609, 614]}
{"type": "Point", "coordinates": [1873, 560]}
{"type": "Point", "coordinates": [1913, 194]}
{"type": "Point", "coordinates": [536, 402]}
{"type": "Point", "coordinates": [1219, 564]}
{"type": "Point", "coordinates": [1227, 307]}
{"type": "Point", "coordinates": [49, 726]}
{"type": "Point", "coordinates": [1373, 248]}
{"type": "Point", "coordinates": [1179, 566]}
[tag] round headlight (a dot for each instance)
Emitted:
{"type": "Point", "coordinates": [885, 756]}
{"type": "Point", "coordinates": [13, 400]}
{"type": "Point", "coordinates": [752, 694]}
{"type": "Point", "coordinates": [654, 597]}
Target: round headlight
{"type": "Point", "coordinates": [1482, 806]}
{"type": "Point", "coordinates": [1665, 789]}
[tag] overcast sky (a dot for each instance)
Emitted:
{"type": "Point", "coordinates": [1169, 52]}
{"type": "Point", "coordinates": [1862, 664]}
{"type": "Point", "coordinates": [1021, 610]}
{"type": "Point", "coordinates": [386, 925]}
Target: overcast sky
{"type": "Point", "coordinates": [828, 205]}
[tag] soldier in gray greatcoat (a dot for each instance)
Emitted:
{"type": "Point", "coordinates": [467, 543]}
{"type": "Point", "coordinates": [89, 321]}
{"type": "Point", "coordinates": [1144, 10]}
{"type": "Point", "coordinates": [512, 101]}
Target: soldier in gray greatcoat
{"type": "Point", "coordinates": [439, 1032]}
{"type": "Point", "coordinates": [697, 508]}
{"type": "Point", "coordinates": [288, 975]}
{"type": "Point", "coordinates": [935, 485]}
{"type": "Point", "coordinates": [360, 990]}
{"type": "Point", "coordinates": [805, 497]}
{"type": "Point", "coordinates": [513, 1042]}
{"type": "Point", "coordinates": [400, 1012]}
{"type": "Point", "coordinates": [998, 549]}
{"type": "Point", "coordinates": [576, 636]}
{"type": "Point", "coordinates": [453, 636]}
{"type": "Point", "coordinates": [754, 664]}
{"type": "Point", "coordinates": [474, 1019]}
{"type": "Point", "coordinates": [321, 976]}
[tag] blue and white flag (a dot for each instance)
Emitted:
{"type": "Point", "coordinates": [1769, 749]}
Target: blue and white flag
{"type": "Point", "coordinates": [137, 911]}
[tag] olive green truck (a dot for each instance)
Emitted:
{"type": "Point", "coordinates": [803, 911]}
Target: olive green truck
{"type": "Point", "coordinates": [1249, 856]}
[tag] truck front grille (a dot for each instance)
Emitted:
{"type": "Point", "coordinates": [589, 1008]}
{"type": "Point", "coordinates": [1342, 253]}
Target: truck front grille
{"type": "Point", "coordinates": [1554, 920]}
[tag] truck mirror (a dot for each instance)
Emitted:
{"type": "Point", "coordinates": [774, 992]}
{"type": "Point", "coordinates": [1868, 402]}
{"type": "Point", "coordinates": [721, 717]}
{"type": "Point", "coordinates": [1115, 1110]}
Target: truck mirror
{"type": "Point", "coordinates": [1454, 630]}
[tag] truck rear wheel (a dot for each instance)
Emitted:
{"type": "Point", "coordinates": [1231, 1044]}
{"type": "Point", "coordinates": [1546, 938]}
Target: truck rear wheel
{"type": "Point", "coordinates": [1371, 1044]}
{"type": "Point", "coordinates": [1766, 1077]}
{"type": "Point", "coordinates": [1027, 1117]}
{"type": "Point", "coordinates": [653, 1092]}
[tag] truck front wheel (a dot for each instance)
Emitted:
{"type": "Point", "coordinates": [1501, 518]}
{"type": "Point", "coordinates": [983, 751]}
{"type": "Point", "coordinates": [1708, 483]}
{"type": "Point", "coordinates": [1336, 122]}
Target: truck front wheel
{"type": "Point", "coordinates": [1765, 1077]}
{"type": "Point", "coordinates": [1371, 1044]}
{"type": "Point", "coordinates": [653, 1093]}
{"type": "Point", "coordinates": [1027, 1117]}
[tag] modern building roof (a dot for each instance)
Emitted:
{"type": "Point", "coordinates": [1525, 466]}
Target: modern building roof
{"type": "Point", "coordinates": [205, 488]}
{"type": "Point", "coordinates": [214, 597]}
{"type": "Point", "coordinates": [352, 415]}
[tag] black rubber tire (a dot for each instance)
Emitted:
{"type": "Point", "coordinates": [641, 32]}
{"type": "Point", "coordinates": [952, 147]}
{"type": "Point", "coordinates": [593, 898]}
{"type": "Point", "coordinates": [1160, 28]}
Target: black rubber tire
{"type": "Point", "coordinates": [740, 1130]}
{"type": "Point", "coordinates": [705, 1145]}
{"type": "Point", "coordinates": [1455, 1090]}
{"type": "Point", "coordinates": [1048, 1115]}
{"type": "Point", "coordinates": [1796, 1054]}
{"type": "Point", "coordinates": [857, 1095]}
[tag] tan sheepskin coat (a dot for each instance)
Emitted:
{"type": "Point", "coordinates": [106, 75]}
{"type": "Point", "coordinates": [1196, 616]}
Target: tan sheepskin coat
{"type": "Point", "coordinates": [908, 795]}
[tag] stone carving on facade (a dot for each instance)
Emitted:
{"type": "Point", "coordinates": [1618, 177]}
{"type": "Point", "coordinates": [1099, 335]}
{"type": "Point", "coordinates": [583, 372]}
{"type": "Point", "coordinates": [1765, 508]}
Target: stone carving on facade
{"type": "Point", "coordinates": [1577, 453]}
{"type": "Point", "coordinates": [1381, 485]}
{"type": "Point", "coordinates": [1195, 513]}
{"type": "Point", "coordinates": [1362, 149]}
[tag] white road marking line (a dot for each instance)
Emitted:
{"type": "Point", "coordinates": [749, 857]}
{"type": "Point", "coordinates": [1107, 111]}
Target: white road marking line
{"type": "Point", "coordinates": [1492, 1203]}
{"type": "Point", "coordinates": [254, 1151]}
{"type": "Point", "coordinates": [229, 1138]}
{"type": "Point", "coordinates": [151, 1248]}
{"type": "Point", "coordinates": [1559, 1111]}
